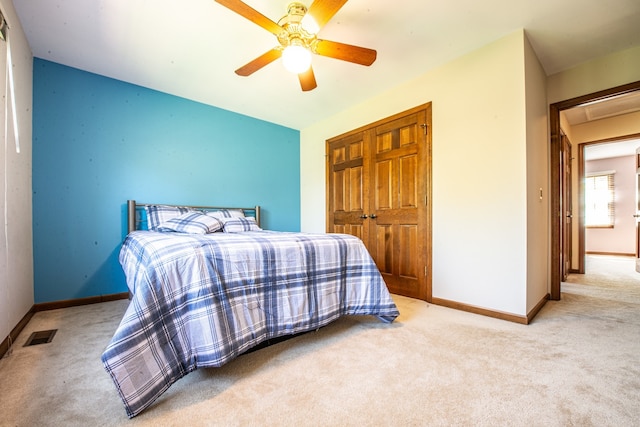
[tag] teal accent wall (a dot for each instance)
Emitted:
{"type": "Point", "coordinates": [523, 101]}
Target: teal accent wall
{"type": "Point", "coordinates": [98, 142]}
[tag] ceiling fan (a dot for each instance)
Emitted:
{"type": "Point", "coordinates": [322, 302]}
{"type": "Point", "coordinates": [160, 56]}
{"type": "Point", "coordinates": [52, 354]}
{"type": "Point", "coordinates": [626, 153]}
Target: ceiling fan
{"type": "Point", "coordinates": [297, 36]}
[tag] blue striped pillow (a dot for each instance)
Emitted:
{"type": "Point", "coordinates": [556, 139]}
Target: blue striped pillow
{"type": "Point", "coordinates": [238, 225]}
{"type": "Point", "coordinates": [191, 222]}
{"type": "Point", "coordinates": [159, 214]}
{"type": "Point", "coordinates": [226, 213]}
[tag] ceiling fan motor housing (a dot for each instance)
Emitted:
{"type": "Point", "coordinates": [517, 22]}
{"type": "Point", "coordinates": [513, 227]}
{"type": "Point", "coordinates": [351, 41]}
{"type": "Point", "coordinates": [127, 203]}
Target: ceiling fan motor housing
{"type": "Point", "coordinates": [295, 34]}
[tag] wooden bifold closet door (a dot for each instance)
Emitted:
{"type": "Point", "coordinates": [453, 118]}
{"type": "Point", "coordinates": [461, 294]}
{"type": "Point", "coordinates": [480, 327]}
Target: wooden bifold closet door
{"type": "Point", "coordinates": [379, 189]}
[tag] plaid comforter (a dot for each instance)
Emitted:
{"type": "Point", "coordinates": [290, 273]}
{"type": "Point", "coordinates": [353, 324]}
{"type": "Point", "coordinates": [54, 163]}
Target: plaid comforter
{"type": "Point", "coordinates": [202, 300]}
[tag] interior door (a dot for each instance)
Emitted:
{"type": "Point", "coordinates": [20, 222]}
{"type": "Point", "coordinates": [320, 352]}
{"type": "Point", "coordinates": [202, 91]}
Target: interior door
{"type": "Point", "coordinates": [637, 215]}
{"type": "Point", "coordinates": [379, 189]}
{"type": "Point", "coordinates": [566, 209]}
{"type": "Point", "coordinates": [398, 205]}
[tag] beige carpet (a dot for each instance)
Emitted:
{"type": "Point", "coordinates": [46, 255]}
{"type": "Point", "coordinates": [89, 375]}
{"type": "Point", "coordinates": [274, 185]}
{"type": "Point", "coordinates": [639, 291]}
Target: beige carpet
{"type": "Point", "coordinates": [577, 364]}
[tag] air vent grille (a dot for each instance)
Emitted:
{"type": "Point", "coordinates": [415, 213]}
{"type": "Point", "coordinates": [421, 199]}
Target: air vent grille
{"type": "Point", "coordinates": [41, 337]}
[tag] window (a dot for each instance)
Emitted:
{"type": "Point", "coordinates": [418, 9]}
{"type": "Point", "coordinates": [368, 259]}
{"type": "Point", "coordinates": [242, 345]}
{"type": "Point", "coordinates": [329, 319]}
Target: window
{"type": "Point", "coordinates": [599, 200]}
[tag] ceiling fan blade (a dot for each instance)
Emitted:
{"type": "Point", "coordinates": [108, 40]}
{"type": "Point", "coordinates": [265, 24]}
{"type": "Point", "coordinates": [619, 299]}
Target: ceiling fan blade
{"type": "Point", "coordinates": [345, 52]}
{"type": "Point", "coordinates": [307, 80]}
{"type": "Point", "coordinates": [259, 62]}
{"type": "Point", "coordinates": [323, 10]}
{"type": "Point", "coordinates": [252, 15]}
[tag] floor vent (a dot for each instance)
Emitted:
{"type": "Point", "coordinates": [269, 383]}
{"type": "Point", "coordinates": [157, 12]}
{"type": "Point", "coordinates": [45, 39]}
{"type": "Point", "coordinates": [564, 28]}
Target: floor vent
{"type": "Point", "coordinates": [41, 337]}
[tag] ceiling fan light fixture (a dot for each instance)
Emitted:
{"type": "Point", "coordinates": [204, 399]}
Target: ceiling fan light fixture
{"type": "Point", "coordinates": [298, 41]}
{"type": "Point", "coordinates": [296, 58]}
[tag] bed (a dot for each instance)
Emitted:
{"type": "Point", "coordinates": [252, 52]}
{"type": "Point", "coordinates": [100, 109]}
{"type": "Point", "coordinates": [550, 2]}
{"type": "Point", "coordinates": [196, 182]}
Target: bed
{"type": "Point", "coordinates": [208, 284]}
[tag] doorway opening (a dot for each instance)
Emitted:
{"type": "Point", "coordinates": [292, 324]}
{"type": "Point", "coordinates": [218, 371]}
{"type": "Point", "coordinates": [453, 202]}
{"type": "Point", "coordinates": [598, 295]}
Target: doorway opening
{"type": "Point", "coordinates": [616, 155]}
{"type": "Point", "coordinates": [558, 222]}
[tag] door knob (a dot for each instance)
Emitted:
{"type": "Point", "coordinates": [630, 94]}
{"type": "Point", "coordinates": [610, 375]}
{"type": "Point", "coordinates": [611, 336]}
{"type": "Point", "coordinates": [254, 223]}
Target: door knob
{"type": "Point", "coordinates": [363, 216]}
{"type": "Point", "coordinates": [373, 216]}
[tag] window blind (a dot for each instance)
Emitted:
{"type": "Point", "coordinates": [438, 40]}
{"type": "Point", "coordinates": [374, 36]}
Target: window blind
{"type": "Point", "coordinates": [600, 200]}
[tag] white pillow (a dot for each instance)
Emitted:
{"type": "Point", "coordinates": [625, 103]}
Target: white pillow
{"type": "Point", "coordinates": [239, 225]}
{"type": "Point", "coordinates": [191, 222]}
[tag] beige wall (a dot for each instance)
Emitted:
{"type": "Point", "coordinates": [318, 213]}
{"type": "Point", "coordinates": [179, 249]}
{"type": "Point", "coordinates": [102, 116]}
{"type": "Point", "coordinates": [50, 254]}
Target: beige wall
{"type": "Point", "coordinates": [490, 239]}
{"type": "Point", "coordinates": [16, 278]}
{"type": "Point", "coordinates": [613, 127]}
{"type": "Point", "coordinates": [480, 190]}
{"type": "Point", "coordinates": [537, 180]}
{"type": "Point", "coordinates": [599, 74]}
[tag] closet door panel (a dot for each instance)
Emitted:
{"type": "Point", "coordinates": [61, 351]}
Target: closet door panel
{"type": "Point", "coordinates": [408, 267]}
{"type": "Point", "coordinates": [355, 186]}
{"type": "Point", "coordinates": [408, 186]}
{"type": "Point", "coordinates": [395, 187]}
{"type": "Point", "coordinates": [384, 249]}
{"type": "Point", "coordinates": [346, 187]}
{"type": "Point", "coordinates": [338, 191]}
{"type": "Point", "coordinates": [384, 185]}
{"type": "Point", "coordinates": [384, 174]}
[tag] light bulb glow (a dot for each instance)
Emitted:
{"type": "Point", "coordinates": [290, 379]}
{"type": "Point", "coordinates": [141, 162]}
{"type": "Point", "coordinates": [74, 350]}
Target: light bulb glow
{"type": "Point", "coordinates": [296, 59]}
{"type": "Point", "coordinates": [309, 24]}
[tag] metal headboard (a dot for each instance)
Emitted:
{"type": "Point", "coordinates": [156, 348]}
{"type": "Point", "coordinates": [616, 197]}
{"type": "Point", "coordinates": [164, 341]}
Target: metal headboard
{"type": "Point", "coordinates": [133, 219]}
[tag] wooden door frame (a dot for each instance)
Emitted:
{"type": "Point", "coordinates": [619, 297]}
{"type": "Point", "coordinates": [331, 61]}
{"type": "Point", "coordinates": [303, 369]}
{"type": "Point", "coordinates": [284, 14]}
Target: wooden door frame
{"type": "Point", "coordinates": [637, 188]}
{"type": "Point", "coordinates": [554, 166]}
{"type": "Point", "coordinates": [567, 197]}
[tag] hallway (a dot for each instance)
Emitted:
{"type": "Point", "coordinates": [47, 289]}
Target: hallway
{"type": "Point", "coordinates": [612, 275]}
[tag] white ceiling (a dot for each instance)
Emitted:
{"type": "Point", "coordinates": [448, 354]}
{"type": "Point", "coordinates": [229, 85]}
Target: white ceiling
{"type": "Point", "coordinates": [191, 48]}
{"type": "Point", "coordinates": [611, 149]}
{"type": "Point", "coordinates": [603, 109]}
